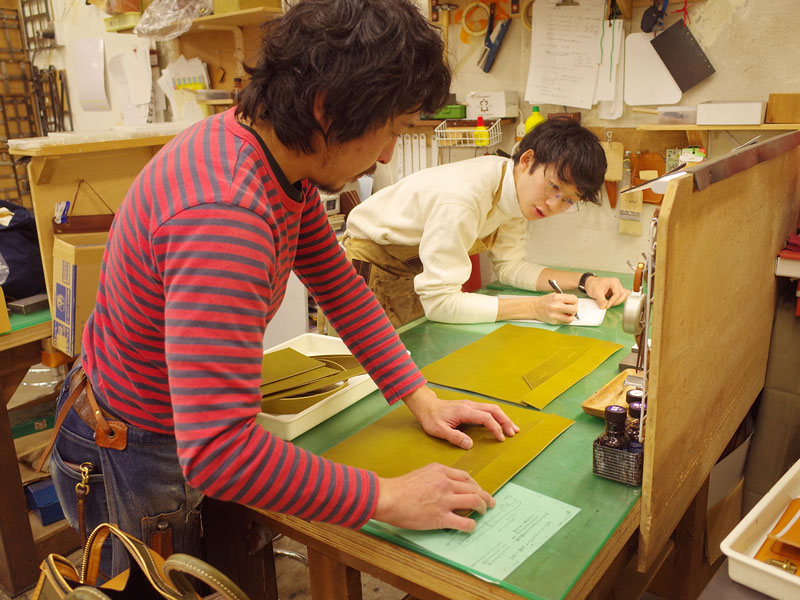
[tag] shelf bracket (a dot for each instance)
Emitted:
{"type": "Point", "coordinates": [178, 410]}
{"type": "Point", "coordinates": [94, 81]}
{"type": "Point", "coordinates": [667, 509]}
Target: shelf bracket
{"type": "Point", "coordinates": [42, 168]}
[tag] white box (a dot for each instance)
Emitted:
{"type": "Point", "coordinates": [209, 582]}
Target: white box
{"type": "Point", "coordinates": [731, 113]}
{"type": "Point", "coordinates": [746, 538]}
{"type": "Point", "coordinates": [493, 105]}
{"type": "Point", "coordinates": [289, 427]}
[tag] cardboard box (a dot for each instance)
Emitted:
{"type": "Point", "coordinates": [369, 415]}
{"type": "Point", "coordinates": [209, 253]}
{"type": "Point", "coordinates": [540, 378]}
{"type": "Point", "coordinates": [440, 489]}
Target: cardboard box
{"type": "Point", "coordinates": [493, 105]}
{"type": "Point", "coordinates": [42, 499]}
{"type": "Point", "coordinates": [731, 113]}
{"type": "Point", "coordinates": [76, 273]}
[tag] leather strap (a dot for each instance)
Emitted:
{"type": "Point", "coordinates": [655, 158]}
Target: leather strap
{"type": "Point", "coordinates": [80, 501]}
{"type": "Point", "coordinates": [161, 539]}
{"type": "Point", "coordinates": [76, 391]}
{"type": "Point", "coordinates": [108, 434]}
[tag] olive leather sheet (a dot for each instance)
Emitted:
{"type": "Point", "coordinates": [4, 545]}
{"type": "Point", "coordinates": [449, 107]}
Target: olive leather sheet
{"type": "Point", "coordinates": [291, 382]}
{"type": "Point", "coordinates": [524, 365]}
{"type": "Point", "coordinates": [396, 444]}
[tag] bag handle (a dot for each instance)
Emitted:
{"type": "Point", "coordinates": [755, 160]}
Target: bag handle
{"type": "Point", "coordinates": [86, 593]}
{"type": "Point", "coordinates": [179, 564]}
{"type": "Point", "coordinates": [59, 573]}
{"type": "Point", "coordinates": [148, 561]}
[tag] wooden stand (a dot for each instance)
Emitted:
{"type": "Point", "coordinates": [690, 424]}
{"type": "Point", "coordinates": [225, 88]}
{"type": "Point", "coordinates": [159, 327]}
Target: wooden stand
{"type": "Point", "coordinates": [24, 543]}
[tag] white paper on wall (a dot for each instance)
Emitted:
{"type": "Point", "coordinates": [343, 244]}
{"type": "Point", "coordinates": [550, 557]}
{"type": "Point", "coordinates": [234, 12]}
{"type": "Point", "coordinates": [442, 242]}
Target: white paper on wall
{"type": "Point", "coordinates": [91, 71]}
{"type": "Point", "coordinates": [612, 41]}
{"type": "Point", "coordinates": [565, 52]}
{"type": "Point", "coordinates": [613, 109]}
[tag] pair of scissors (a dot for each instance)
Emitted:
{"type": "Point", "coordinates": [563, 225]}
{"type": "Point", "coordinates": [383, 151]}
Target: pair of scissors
{"type": "Point", "coordinates": [494, 37]}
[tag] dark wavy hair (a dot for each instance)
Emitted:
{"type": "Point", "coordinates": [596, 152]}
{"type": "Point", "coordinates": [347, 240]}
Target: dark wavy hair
{"type": "Point", "coordinates": [574, 150]}
{"type": "Point", "coordinates": [372, 59]}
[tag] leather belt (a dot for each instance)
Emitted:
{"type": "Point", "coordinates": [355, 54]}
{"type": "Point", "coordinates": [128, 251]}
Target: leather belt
{"type": "Point", "coordinates": [108, 432]}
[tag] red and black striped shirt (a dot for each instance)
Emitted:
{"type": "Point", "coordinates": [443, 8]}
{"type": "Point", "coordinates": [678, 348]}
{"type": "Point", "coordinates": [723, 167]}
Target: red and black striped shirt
{"type": "Point", "coordinates": [195, 268]}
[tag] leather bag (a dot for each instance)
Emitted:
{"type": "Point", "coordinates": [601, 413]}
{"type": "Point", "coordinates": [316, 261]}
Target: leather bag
{"type": "Point", "coordinates": [149, 577]}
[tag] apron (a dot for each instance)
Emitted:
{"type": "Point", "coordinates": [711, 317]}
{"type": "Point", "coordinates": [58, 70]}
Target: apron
{"type": "Point", "coordinates": [389, 270]}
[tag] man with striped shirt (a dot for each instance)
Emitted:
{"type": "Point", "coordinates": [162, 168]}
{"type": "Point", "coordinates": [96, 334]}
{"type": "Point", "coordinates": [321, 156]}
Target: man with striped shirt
{"type": "Point", "coordinates": [196, 267]}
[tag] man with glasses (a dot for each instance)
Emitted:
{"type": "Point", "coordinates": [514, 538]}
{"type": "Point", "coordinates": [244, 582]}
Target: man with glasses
{"type": "Point", "coordinates": [412, 241]}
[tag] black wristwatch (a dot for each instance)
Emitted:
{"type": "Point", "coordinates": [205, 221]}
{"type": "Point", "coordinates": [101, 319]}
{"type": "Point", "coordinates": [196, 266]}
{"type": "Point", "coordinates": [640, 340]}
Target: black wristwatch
{"type": "Point", "coordinates": [582, 282]}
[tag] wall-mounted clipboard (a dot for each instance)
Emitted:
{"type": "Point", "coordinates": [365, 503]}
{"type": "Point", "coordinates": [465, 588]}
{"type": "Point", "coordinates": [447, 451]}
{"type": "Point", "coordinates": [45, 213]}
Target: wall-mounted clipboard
{"type": "Point", "coordinates": [682, 55]}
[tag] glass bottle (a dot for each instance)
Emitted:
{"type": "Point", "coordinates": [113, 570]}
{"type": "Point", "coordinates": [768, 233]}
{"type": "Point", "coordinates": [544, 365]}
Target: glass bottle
{"type": "Point", "coordinates": [633, 425]}
{"type": "Point", "coordinates": [614, 435]}
{"type": "Point", "coordinates": [634, 395]}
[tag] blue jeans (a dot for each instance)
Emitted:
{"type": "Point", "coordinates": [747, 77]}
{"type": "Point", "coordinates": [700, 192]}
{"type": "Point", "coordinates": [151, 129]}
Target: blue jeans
{"type": "Point", "coordinates": [141, 488]}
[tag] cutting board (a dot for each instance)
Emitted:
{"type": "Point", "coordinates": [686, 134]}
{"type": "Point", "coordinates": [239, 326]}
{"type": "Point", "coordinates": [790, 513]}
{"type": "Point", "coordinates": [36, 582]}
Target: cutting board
{"type": "Point", "coordinates": [647, 80]}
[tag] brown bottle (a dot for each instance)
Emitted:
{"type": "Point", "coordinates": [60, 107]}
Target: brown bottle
{"type": "Point", "coordinates": [634, 395]}
{"type": "Point", "coordinates": [614, 435]}
{"type": "Point", "coordinates": [632, 427]}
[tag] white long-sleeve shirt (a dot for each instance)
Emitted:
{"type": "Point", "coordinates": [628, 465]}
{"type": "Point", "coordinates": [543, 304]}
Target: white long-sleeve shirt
{"type": "Point", "coordinates": [444, 210]}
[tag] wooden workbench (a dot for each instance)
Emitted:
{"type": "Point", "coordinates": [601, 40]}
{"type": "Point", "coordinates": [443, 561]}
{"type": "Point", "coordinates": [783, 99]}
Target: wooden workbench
{"type": "Point", "coordinates": [719, 229]}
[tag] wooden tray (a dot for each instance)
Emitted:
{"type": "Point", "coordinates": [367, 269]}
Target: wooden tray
{"type": "Point", "coordinates": [611, 393]}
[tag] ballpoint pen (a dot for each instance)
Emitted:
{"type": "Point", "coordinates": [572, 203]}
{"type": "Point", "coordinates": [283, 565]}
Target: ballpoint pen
{"type": "Point", "coordinates": [555, 287]}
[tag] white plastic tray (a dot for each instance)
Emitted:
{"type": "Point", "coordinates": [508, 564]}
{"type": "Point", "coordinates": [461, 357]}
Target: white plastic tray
{"type": "Point", "coordinates": [746, 538]}
{"type": "Point", "coordinates": [289, 427]}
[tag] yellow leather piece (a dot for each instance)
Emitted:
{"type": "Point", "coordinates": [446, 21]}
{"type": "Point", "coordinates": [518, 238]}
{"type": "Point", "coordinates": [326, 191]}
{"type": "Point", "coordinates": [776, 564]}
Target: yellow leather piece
{"type": "Point", "coordinates": [292, 406]}
{"type": "Point", "coordinates": [320, 384]}
{"type": "Point", "coordinates": [294, 381]}
{"type": "Point", "coordinates": [396, 444]}
{"type": "Point", "coordinates": [286, 363]}
{"type": "Point", "coordinates": [524, 365]}
{"type": "Point", "coordinates": [342, 361]}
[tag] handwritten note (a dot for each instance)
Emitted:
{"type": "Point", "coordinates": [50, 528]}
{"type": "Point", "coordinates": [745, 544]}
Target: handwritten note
{"type": "Point", "coordinates": [565, 52]}
{"type": "Point", "coordinates": [506, 535]}
{"type": "Point", "coordinates": [590, 315]}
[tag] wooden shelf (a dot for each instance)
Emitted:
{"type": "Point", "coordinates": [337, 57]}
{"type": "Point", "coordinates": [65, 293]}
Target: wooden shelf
{"type": "Point", "coordinates": [86, 147]}
{"type": "Point", "coordinates": [222, 102]}
{"type": "Point", "coordinates": [763, 127]}
{"type": "Point", "coordinates": [435, 122]}
{"type": "Point", "coordinates": [241, 18]}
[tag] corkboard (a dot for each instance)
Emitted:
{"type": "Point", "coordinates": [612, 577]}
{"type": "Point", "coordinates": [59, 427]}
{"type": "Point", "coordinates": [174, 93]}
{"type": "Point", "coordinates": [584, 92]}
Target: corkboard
{"type": "Point", "coordinates": [713, 308]}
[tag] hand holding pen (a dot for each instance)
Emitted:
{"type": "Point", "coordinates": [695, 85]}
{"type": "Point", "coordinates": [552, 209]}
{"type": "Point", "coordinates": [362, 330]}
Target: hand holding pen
{"type": "Point", "coordinates": [558, 290]}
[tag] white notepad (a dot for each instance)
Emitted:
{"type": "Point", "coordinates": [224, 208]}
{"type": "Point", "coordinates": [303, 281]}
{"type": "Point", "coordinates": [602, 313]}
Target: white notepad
{"type": "Point", "coordinates": [590, 314]}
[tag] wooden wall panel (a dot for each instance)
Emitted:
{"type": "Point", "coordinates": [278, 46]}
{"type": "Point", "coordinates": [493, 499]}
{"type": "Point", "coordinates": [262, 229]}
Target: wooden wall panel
{"type": "Point", "coordinates": [714, 297]}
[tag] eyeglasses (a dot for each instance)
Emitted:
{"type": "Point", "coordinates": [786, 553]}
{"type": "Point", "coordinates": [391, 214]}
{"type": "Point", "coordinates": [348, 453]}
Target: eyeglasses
{"type": "Point", "coordinates": [568, 205]}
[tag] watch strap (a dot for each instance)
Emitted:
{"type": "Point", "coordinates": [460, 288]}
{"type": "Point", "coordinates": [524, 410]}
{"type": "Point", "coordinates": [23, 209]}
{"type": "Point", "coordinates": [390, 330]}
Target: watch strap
{"type": "Point", "coordinates": [582, 282]}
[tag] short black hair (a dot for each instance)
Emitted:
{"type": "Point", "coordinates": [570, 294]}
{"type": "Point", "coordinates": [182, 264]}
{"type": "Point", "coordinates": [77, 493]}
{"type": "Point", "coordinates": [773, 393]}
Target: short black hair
{"type": "Point", "coordinates": [371, 59]}
{"type": "Point", "coordinates": [574, 150]}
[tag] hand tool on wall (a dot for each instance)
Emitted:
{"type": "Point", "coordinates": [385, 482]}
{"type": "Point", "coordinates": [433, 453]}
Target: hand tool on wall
{"type": "Point", "coordinates": [441, 13]}
{"type": "Point", "coordinates": [614, 156]}
{"type": "Point", "coordinates": [494, 37]}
